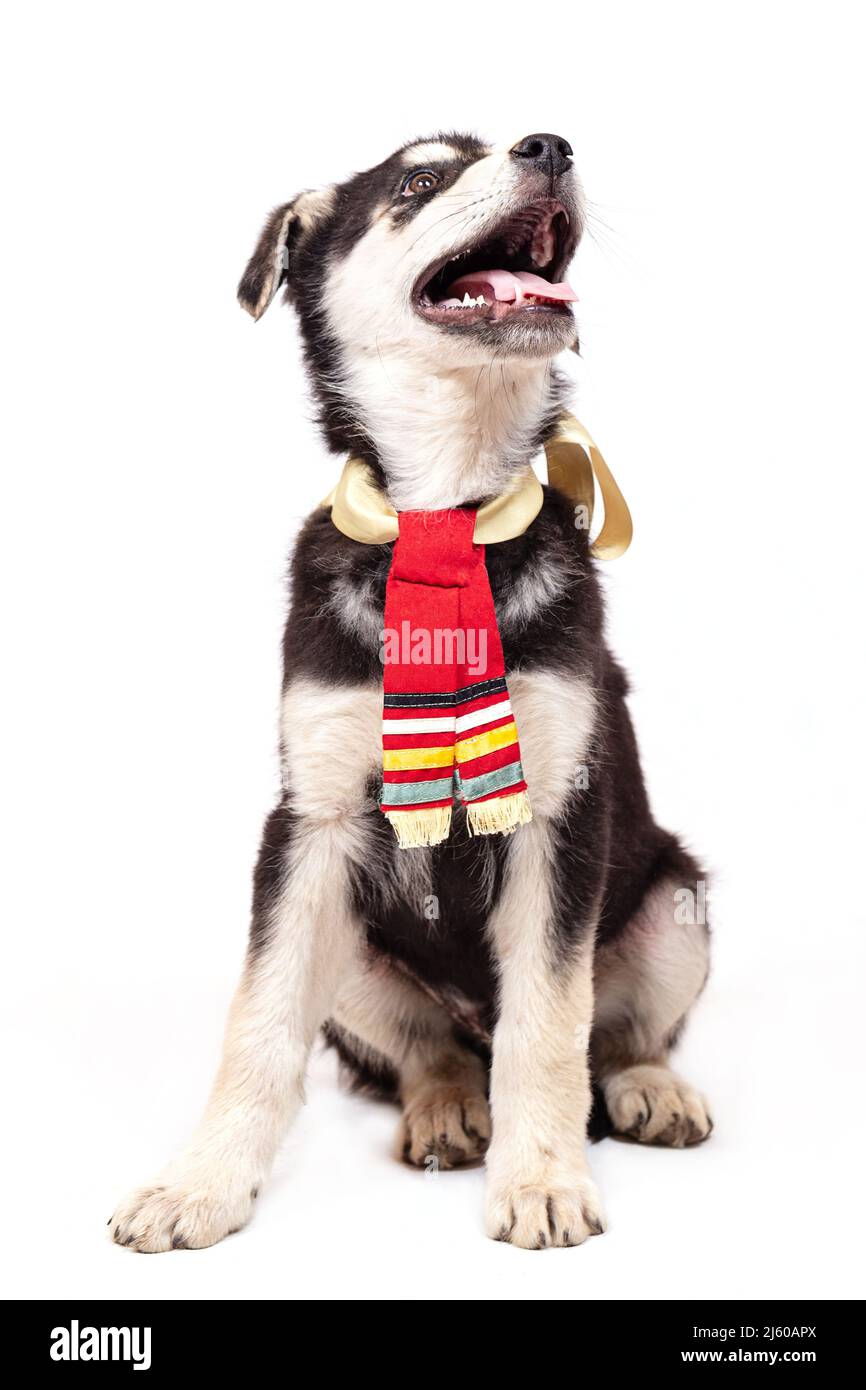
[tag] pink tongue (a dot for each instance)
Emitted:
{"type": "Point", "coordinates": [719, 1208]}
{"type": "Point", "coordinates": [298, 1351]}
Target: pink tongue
{"type": "Point", "coordinates": [506, 285]}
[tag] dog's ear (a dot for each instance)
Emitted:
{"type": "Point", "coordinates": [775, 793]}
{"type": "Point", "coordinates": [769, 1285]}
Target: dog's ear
{"type": "Point", "coordinates": [270, 265]}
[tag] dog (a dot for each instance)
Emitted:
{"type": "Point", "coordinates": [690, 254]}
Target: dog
{"type": "Point", "coordinates": [509, 992]}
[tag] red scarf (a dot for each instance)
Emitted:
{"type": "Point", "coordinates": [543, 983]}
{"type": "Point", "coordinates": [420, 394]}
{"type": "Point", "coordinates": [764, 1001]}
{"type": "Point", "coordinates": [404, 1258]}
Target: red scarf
{"type": "Point", "coordinates": [448, 728]}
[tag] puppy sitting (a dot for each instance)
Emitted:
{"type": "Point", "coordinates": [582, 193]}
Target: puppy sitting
{"type": "Point", "coordinates": [432, 304]}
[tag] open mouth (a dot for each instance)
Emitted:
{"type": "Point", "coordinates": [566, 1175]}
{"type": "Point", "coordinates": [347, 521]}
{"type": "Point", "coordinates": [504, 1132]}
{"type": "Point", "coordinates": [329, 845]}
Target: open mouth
{"type": "Point", "coordinates": [512, 272]}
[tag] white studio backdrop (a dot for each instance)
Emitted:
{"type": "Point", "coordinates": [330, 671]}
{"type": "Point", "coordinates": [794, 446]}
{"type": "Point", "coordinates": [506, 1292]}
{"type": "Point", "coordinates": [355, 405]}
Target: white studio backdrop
{"type": "Point", "coordinates": [159, 454]}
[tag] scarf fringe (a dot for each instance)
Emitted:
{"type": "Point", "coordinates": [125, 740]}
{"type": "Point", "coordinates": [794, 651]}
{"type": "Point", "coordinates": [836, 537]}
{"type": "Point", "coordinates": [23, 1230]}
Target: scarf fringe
{"type": "Point", "coordinates": [417, 828]}
{"type": "Point", "coordinates": [501, 815]}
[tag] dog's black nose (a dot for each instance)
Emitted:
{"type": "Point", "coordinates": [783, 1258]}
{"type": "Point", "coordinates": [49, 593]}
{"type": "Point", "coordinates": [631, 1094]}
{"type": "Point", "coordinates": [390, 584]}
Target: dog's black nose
{"type": "Point", "coordinates": [549, 153]}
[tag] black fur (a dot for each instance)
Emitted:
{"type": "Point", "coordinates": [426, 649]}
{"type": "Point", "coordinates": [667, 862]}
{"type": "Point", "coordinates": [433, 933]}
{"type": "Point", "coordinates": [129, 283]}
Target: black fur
{"type": "Point", "coordinates": [365, 1072]}
{"type": "Point", "coordinates": [608, 848]}
{"type": "Point", "coordinates": [607, 841]}
{"type": "Point", "coordinates": [307, 254]}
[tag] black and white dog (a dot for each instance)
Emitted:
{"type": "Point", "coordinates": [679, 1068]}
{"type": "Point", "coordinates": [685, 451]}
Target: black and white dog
{"type": "Point", "coordinates": [481, 983]}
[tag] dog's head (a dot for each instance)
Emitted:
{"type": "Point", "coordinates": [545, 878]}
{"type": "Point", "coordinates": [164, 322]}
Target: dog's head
{"type": "Point", "coordinates": [451, 252]}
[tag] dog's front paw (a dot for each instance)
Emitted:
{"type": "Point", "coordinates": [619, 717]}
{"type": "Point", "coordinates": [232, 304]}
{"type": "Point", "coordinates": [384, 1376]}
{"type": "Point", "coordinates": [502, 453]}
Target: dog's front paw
{"type": "Point", "coordinates": [535, 1217]}
{"type": "Point", "coordinates": [186, 1213]}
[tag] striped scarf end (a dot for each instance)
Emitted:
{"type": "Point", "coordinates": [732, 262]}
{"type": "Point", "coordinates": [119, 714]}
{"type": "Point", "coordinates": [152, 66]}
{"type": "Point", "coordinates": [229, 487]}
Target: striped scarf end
{"type": "Point", "coordinates": [499, 815]}
{"type": "Point", "coordinates": [414, 829]}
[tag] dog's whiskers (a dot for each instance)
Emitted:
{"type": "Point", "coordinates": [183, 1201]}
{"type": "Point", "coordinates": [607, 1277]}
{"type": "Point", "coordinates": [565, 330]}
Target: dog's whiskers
{"type": "Point", "coordinates": [449, 216]}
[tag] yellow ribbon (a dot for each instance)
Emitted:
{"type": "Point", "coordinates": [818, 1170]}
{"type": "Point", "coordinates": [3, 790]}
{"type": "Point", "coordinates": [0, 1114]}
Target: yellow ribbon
{"type": "Point", "coordinates": [575, 467]}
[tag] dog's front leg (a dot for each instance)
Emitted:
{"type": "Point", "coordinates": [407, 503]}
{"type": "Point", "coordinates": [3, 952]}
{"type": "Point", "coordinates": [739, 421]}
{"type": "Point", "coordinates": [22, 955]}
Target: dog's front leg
{"type": "Point", "coordinates": [304, 941]}
{"type": "Point", "coordinates": [540, 1192]}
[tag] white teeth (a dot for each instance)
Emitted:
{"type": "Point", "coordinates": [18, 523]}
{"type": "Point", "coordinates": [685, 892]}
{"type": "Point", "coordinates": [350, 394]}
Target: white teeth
{"type": "Point", "coordinates": [468, 301]}
{"type": "Point", "coordinates": [543, 246]}
{"type": "Point", "coordinates": [481, 299]}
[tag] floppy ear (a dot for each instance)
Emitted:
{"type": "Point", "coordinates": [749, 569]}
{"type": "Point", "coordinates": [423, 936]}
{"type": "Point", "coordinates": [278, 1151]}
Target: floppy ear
{"type": "Point", "coordinates": [270, 265]}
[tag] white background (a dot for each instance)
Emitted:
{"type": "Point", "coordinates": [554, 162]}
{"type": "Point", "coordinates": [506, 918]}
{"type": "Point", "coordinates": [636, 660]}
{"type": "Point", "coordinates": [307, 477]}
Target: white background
{"type": "Point", "coordinates": [159, 458]}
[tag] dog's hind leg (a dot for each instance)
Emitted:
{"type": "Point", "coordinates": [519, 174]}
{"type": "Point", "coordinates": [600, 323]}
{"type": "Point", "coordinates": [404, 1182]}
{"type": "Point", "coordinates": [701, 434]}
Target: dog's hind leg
{"type": "Point", "coordinates": [646, 981]}
{"type": "Point", "coordinates": [395, 1040]}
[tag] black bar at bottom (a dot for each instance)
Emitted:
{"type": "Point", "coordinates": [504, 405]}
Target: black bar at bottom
{"type": "Point", "coordinates": [157, 1339]}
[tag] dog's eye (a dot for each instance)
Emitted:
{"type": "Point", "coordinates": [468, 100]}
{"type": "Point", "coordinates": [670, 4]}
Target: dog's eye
{"type": "Point", "coordinates": [422, 181]}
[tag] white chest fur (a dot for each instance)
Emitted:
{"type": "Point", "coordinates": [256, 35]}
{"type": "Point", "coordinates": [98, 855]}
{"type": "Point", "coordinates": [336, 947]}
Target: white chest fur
{"type": "Point", "coordinates": [331, 741]}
